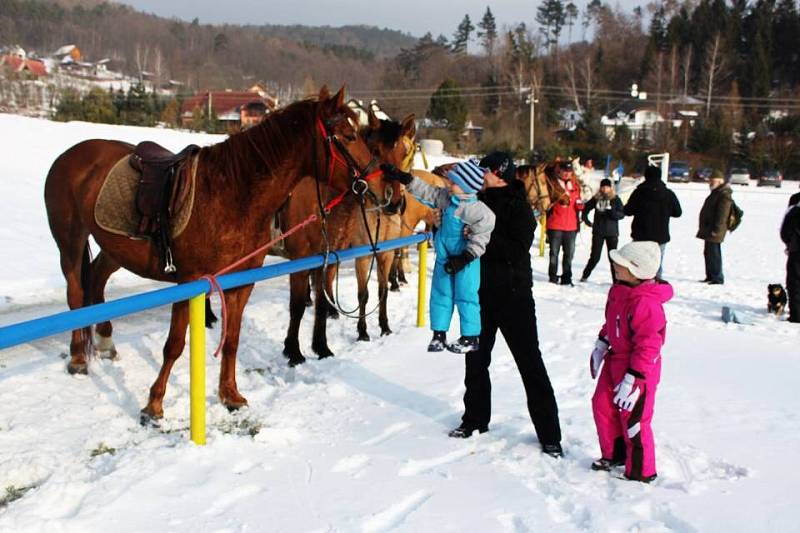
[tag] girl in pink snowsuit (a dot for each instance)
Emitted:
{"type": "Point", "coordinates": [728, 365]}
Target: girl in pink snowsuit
{"type": "Point", "coordinates": [630, 344]}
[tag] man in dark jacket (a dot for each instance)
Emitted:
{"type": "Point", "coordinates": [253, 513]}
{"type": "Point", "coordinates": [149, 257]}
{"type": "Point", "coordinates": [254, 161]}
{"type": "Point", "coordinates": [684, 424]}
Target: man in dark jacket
{"type": "Point", "coordinates": [605, 228]}
{"type": "Point", "coordinates": [714, 225]}
{"type": "Point", "coordinates": [507, 305]}
{"type": "Point", "coordinates": [790, 235]}
{"type": "Point", "coordinates": [652, 205]}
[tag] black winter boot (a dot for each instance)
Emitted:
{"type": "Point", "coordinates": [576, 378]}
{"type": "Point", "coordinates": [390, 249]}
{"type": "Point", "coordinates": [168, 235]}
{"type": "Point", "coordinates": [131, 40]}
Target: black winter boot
{"type": "Point", "coordinates": [464, 344]}
{"type": "Point", "coordinates": [465, 431]}
{"type": "Point", "coordinates": [438, 342]}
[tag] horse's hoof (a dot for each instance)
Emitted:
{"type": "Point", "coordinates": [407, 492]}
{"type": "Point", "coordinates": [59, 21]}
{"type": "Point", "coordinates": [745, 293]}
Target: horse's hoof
{"type": "Point", "coordinates": [363, 337]}
{"type": "Point", "coordinates": [149, 421]}
{"type": "Point", "coordinates": [295, 360]}
{"type": "Point", "coordinates": [333, 314]}
{"type": "Point", "coordinates": [385, 332]}
{"type": "Point", "coordinates": [394, 288]}
{"type": "Point", "coordinates": [233, 407]}
{"type": "Point", "coordinates": [309, 303]}
{"type": "Point", "coordinates": [111, 355]}
{"type": "Point", "coordinates": [322, 351]}
{"type": "Point", "coordinates": [78, 369]}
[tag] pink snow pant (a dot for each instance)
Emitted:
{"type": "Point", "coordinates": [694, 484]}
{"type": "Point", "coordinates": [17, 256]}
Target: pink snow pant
{"type": "Point", "coordinates": [632, 426]}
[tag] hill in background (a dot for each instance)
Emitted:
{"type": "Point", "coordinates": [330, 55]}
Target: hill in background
{"type": "Point", "coordinates": [203, 56]}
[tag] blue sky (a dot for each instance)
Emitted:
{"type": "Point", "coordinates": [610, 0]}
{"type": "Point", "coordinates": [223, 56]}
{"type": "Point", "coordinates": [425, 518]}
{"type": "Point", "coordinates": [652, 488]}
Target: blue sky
{"type": "Point", "coordinates": [411, 16]}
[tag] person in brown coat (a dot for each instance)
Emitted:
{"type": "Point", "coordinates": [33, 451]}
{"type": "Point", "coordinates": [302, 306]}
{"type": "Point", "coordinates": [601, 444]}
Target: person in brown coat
{"type": "Point", "coordinates": [714, 225]}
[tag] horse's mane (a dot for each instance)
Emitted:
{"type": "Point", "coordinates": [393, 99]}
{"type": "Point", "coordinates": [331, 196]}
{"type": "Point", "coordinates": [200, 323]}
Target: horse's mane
{"type": "Point", "coordinates": [387, 134]}
{"type": "Point", "coordinates": [243, 156]}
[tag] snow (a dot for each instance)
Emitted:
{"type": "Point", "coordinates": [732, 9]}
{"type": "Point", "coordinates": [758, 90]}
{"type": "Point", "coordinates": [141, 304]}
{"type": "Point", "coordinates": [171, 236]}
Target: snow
{"type": "Point", "coordinates": [358, 442]}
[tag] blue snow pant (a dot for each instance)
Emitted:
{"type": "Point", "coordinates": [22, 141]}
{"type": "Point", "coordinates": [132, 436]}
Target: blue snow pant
{"type": "Point", "coordinates": [459, 290]}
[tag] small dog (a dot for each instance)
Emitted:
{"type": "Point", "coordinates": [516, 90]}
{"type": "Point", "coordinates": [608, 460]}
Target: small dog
{"type": "Point", "coordinates": [776, 299]}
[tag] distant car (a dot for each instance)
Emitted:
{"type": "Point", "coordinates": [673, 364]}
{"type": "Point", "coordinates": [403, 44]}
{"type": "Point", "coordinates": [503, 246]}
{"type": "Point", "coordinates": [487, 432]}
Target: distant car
{"type": "Point", "coordinates": [679, 171]}
{"type": "Point", "coordinates": [739, 176]}
{"type": "Point", "coordinates": [702, 174]}
{"type": "Point", "coordinates": [770, 178]}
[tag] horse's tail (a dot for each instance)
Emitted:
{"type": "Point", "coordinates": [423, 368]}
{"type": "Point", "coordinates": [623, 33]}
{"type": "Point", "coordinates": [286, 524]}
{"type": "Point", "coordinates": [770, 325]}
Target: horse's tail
{"type": "Point", "coordinates": [86, 275]}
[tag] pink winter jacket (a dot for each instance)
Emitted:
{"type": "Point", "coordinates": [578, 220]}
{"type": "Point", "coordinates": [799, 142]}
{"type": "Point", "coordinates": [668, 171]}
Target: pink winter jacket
{"type": "Point", "coordinates": [636, 326]}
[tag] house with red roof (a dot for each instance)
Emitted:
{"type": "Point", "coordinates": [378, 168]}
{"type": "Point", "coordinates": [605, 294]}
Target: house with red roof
{"type": "Point", "coordinates": [24, 66]}
{"type": "Point", "coordinates": [232, 108]}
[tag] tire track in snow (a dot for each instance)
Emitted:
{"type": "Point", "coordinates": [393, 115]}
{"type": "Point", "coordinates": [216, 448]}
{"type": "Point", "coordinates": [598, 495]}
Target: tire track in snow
{"type": "Point", "coordinates": [394, 515]}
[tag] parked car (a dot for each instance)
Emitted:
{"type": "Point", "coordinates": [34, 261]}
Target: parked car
{"type": "Point", "coordinates": [702, 174]}
{"type": "Point", "coordinates": [739, 176]}
{"type": "Point", "coordinates": [679, 171]}
{"type": "Point", "coordinates": [771, 178]}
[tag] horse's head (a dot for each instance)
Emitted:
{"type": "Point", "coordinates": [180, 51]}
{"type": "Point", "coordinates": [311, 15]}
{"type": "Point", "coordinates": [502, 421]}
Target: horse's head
{"type": "Point", "coordinates": [348, 157]}
{"type": "Point", "coordinates": [393, 143]}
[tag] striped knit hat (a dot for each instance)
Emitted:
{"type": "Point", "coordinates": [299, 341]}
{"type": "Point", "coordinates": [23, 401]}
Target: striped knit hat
{"type": "Point", "coordinates": [467, 175]}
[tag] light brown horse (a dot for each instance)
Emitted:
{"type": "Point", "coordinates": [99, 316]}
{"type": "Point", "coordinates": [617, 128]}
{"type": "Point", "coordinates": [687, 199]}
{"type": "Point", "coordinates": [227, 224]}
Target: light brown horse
{"type": "Point", "coordinates": [343, 227]}
{"type": "Point", "coordinates": [240, 183]}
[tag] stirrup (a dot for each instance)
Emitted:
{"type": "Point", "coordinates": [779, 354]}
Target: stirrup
{"type": "Point", "coordinates": [169, 267]}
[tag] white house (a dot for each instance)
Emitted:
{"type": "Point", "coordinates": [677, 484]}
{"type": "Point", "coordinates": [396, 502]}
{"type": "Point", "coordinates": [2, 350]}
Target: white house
{"type": "Point", "coordinates": [639, 116]}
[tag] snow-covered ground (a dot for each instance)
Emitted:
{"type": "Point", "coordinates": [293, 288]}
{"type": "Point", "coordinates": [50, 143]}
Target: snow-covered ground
{"type": "Point", "coordinates": [358, 442]}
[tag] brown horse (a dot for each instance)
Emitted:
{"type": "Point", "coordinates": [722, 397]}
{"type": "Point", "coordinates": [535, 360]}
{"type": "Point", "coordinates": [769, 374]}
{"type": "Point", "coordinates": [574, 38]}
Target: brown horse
{"type": "Point", "coordinates": [239, 184]}
{"type": "Point", "coordinates": [343, 226]}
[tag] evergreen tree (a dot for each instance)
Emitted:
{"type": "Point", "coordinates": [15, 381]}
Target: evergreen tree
{"type": "Point", "coordinates": [448, 104]}
{"type": "Point", "coordinates": [462, 35]}
{"type": "Point", "coordinates": [487, 32]}
{"type": "Point", "coordinates": [97, 106]}
{"type": "Point", "coordinates": [786, 32]}
{"type": "Point", "coordinates": [571, 15]}
{"type": "Point", "coordinates": [551, 16]}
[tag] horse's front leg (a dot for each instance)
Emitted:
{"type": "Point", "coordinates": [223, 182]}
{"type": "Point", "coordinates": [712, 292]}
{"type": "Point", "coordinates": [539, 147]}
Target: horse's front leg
{"type": "Point", "coordinates": [235, 300]}
{"type": "Point", "coordinates": [176, 341]}
{"type": "Point", "coordinates": [298, 285]}
{"type": "Point", "coordinates": [319, 343]}
{"type": "Point", "coordinates": [394, 286]}
{"type": "Point", "coordinates": [362, 272]}
{"type": "Point", "coordinates": [384, 266]}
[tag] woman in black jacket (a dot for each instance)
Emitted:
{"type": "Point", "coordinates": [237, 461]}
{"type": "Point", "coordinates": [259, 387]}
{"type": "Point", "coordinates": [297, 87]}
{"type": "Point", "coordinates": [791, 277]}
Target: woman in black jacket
{"type": "Point", "coordinates": [790, 235]}
{"type": "Point", "coordinates": [609, 211]}
{"type": "Point", "coordinates": [507, 305]}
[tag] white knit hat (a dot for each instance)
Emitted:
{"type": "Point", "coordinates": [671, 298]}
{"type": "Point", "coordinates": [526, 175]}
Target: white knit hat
{"type": "Point", "coordinates": [642, 258]}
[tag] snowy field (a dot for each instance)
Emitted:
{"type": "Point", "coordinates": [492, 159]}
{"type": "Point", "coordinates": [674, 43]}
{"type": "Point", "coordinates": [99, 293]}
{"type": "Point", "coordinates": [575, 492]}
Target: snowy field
{"type": "Point", "coordinates": [358, 442]}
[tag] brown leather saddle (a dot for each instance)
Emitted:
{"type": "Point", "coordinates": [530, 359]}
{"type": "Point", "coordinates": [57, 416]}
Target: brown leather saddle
{"type": "Point", "coordinates": [163, 188]}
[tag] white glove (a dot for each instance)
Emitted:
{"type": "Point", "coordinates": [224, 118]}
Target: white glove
{"type": "Point", "coordinates": [598, 354]}
{"type": "Point", "coordinates": [628, 391]}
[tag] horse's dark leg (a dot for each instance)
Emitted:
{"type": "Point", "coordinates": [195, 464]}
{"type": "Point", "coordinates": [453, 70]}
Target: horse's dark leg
{"type": "Point", "coordinates": [401, 269]}
{"type": "Point", "coordinates": [393, 285]}
{"type": "Point", "coordinates": [320, 340]}
{"type": "Point", "coordinates": [235, 301]}
{"type": "Point", "coordinates": [384, 265]}
{"type": "Point", "coordinates": [330, 276]}
{"type": "Point", "coordinates": [176, 340]}
{"type": "Point", "coordinates": [362, 271]}
{"type": "Point", "coordinates": [298, 287]}
{"type": "Point", "coordinates": [309, 300]}
{"type": "Point", "coordinates": [102, 268]}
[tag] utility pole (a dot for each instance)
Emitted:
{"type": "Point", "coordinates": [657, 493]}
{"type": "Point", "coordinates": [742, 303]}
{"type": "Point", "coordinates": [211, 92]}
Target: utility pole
{"type": "Point", "coordinates": [531, 100]}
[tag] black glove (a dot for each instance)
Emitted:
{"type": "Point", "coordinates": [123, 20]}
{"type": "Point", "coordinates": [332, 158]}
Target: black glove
{"type": "Point", "coordinates": [456, 263]}
{"type": "Point", "coordinates": [392, 173]}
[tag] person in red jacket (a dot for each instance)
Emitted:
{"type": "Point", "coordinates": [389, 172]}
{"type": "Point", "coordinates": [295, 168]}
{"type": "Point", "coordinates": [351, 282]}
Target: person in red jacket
{"type": "Point", "coordinates": [562, 222]}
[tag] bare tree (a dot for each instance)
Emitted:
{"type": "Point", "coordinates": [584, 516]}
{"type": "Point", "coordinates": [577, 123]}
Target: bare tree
{"type": "Point", "coordinates": [687, 69]}
{"type": "Point", "coordinates": [713, 67]}
{"type": "Point", "coordinates": [572, 83]}
{"type": "Point", "coordinates": [588, 79]}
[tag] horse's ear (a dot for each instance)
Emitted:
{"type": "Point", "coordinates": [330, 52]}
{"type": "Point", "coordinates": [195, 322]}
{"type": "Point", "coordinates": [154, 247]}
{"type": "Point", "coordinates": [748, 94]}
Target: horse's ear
{"type": "Point", "coordinates": [408, 127]}
{"type": "Point", "coordinates": [372, 119]}
{"type": "Point", "coordinates": [339, 98]}
{"type": "Point", "coordinates": [324, 93]}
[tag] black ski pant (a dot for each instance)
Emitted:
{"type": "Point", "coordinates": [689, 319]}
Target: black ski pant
{"type": "Point", "coordinates": [561, 240]}
{"type": "Point", "coordinates": [515, 318]}
{"type": "Point", "coordinates": [712, 252]}
{"type": "Point", "coordinates": [611, 243]}
{"type": "Point", "coordinates": [793, 285]}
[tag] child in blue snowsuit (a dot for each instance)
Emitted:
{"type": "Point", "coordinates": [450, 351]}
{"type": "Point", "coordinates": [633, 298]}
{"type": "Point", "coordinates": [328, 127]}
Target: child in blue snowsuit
{"type": "Point", "coordinates": [456, 274]}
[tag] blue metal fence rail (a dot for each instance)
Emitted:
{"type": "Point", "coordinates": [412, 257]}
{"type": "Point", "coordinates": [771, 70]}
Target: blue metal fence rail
{"type": "Point", "coordinates": [38, 328]}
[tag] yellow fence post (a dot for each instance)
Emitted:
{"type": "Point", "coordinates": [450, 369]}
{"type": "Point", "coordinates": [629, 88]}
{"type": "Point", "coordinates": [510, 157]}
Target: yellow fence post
{"type": "Point", "coordinates": [543, 233]}
{"type": "Point", "coordinates": [197, 368]}
{"type": "Point", "coordinates": [423, 274]}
